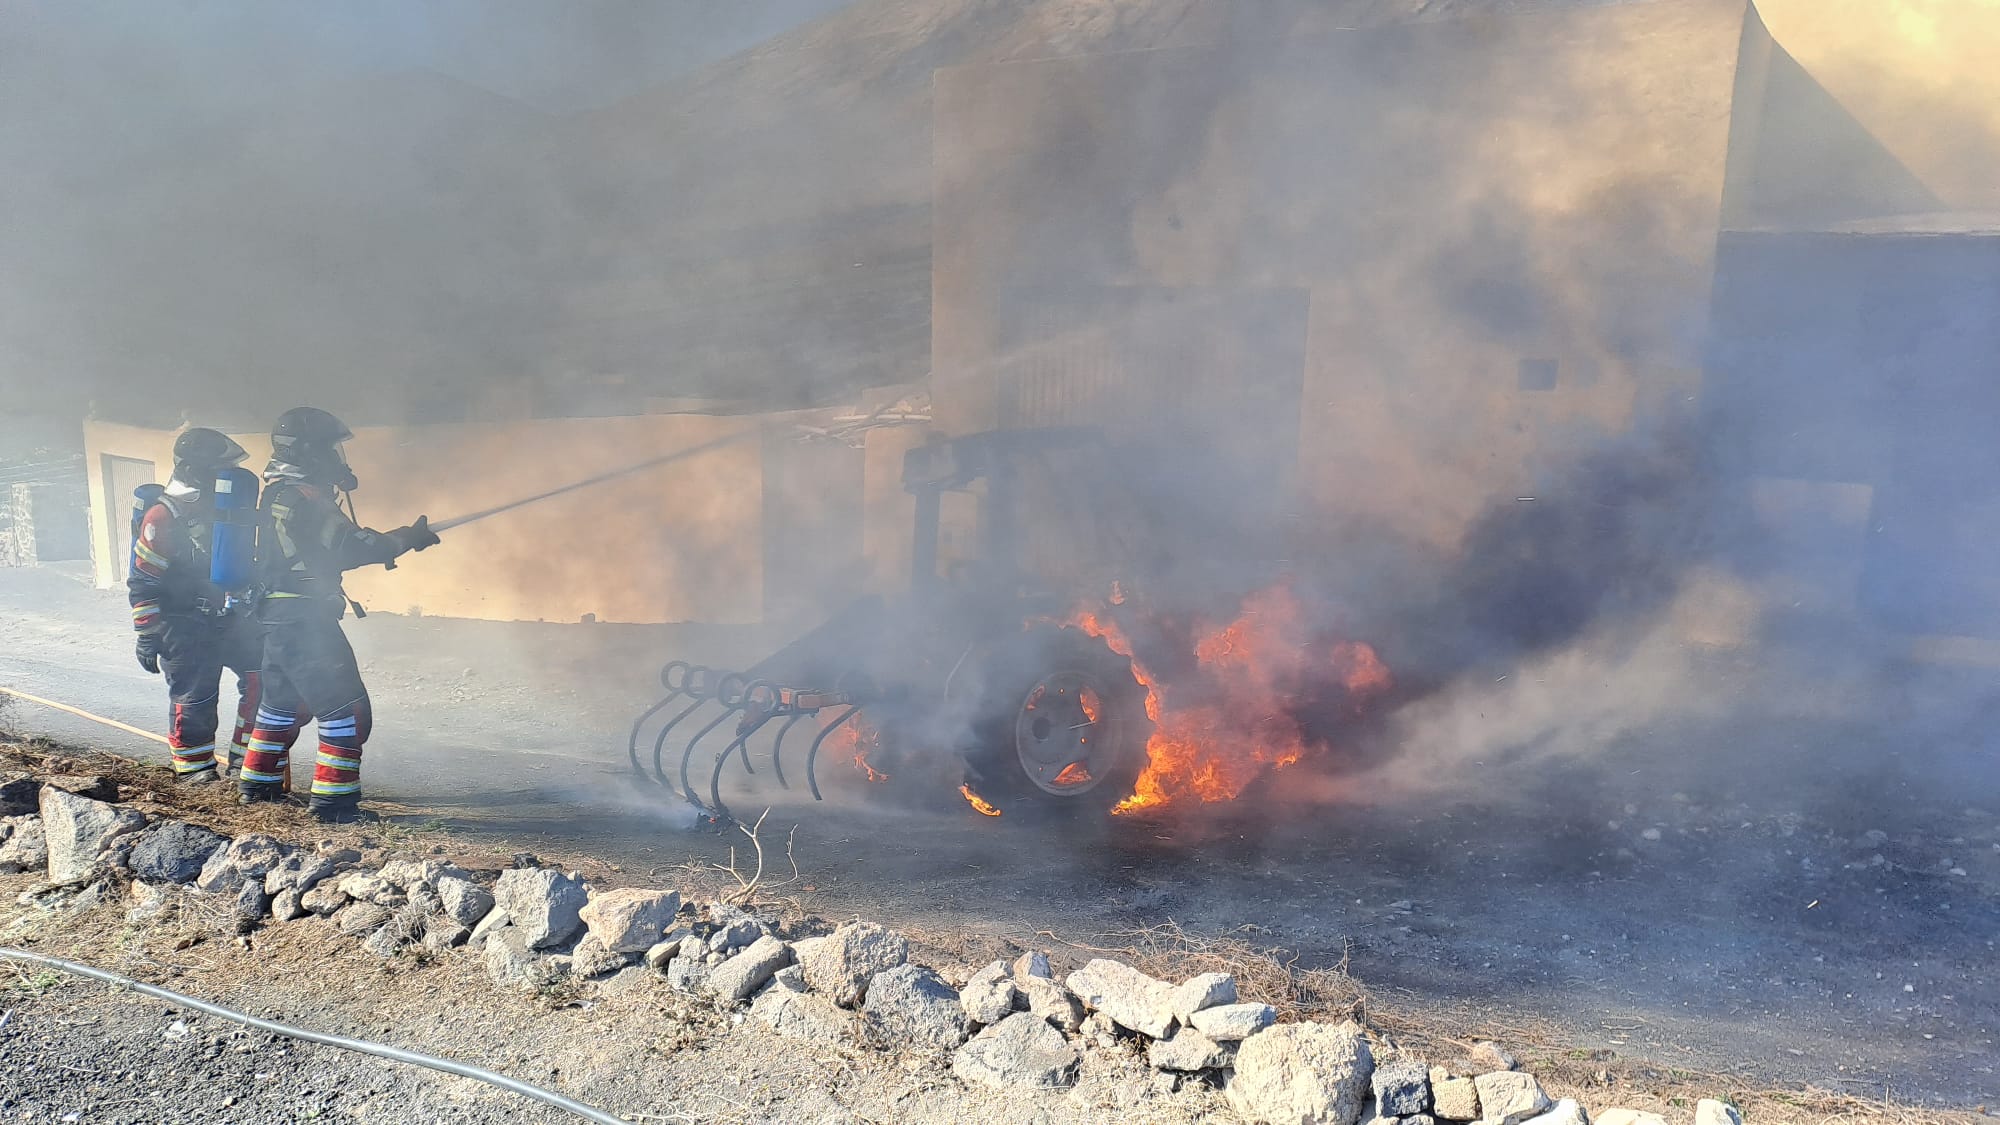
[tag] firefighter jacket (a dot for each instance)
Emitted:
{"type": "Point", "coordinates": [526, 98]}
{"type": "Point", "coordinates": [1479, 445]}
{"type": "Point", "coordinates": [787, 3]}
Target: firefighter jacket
{"type": "Point", "coordinates": [169, 574]}
{"type": "Point", "coordinates": [307, 543]}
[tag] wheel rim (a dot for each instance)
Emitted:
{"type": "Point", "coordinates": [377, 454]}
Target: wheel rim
{"type": "Point", "coordinates": [1066, 736]}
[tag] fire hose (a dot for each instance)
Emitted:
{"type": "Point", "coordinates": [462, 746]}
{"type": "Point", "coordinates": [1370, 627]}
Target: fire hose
{"type": "Point", "coordinates": [361, 1046]}
{"type": "Point", "coordinates": [614, 474]}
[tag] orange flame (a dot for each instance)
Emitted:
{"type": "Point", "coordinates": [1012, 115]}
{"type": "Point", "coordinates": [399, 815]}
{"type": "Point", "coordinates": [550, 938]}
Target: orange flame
{"type": "Point", "coordinates": [1076, 773]}
{"type": "Point", "coordinates": [1252, 669]}
{"type": "Point", "coordinates": [857, 738]}
{"type": "Point", "coordinates": [977, 802]}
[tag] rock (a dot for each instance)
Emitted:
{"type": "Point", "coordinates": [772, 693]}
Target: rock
{"type": "Point", "coordinates": [1509, 1097]}
{"type": "Point", "coordinates": [1454, 1099]}
{"type": "Point", "coordinates": [407, 875]}
{"type": "Point", "coordinates": [841, 964]}
{"type": "Point", "coordinates": [791, 978]}
{"type": "Point", "coordinates": [1232, 1023]}
{"type": "Point", "coordinates": [1132, 999]}
{"type": "Point", "coordinates": [659, 953]}
{"type": "Point", "coordinates": [511, 961]}
{"type": "Point", "coordinates": [1051, 1003]}
{"type": "Point", "coordinates": [630, 920]}
{"type": "Point", "coordinates": [800, 1015]}
{"type": "Point", "coordinates": [27, 846]}
{"type": "Point", "coordinates": [246, 858]}
{"type": "Point", "coordinates": [89, 898]}
{"type": "Point", "coordinates": [495, 919]}
{"type": "Point", "coordinates": [367, 886]}
{"type": "Point", "coordinates": [1209, 990]}
{"type": "Point", "coordinates": [172, 851]}
{"type": "Point", "coordinates": [546, 906]}
{"type": "Point", "coordinates": [78, 830]}
{"type": "Point", "coordinates": [386, 941]}
{"type": "Point", "coordinates": [688, 972]}
{"type": "Point", "coordinates": [1099, 1031]}
{"type": "Point", "coordinates": [1629, 1117]}
{"type": "Point", "coordinates": [592, 959]}
{"type": "Point", "coordinates": [20, 795]}
{"type": "Point", "coordinates": [324, 899]}
{"type": "Point", "coordinates": [1302, 1074]}
{"type": "Point", "coordinates": [361, 917]}
{"type": "Point", "coordinates": [911, 1006]}
{"type": "Point", "coordinates": [285, 905]}
{"type": "Point", "coordinates": [1032, 965]}
{"type": "Point", "coordinates": [91, 786]}
{"type": "Point", "coordinates": [442, 933]}
{"type": "Point", "coordinates": [1189, 1050]}
{"type": "Point", "coordinates": [299, 872]}
{"type": "Point", "coordinates": [1402, 1088]}
{"type": "Point", "coordinates": [990, 996]}
{"type": "Point", "coordinates": [1708, 1111]}
{"type": "Point", "coordinates": [735, 979]}
{"type": "Point", "coordinates": [150, 901]}
{"type": "Point", "coordinates": [1569, 1112]}
{"type": "Point", "coordinates": [1486, 1056]}
{"type": "Point", "coordinates": [249, 907]}
{"type": "Point", "coordinates": [1019, 1051]}
{"type": "Point", "coordinates": [465, 901]}
{"type": "Point", "coordinates": [735, 928]}
{"type": "Point", "coordinates": [1425, 1119]}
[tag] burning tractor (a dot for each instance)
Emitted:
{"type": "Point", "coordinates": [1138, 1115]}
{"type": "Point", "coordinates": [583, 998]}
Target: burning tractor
{"type": "Point", "coordinates": [1046, 703]}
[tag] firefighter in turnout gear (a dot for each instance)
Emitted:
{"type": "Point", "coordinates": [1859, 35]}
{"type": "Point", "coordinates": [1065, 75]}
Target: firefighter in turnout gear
{"type": "Point", "coordinates": [189, 627]}
{"type": "Point", "coordinates": [305, 543]}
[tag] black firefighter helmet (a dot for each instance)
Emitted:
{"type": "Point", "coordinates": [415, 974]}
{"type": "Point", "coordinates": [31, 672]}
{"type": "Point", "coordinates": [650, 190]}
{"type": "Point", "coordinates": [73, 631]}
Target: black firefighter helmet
{"type": "Point", "coordinates": [310, 438]}
{"type": "Point", "coordinates": [200, 453]}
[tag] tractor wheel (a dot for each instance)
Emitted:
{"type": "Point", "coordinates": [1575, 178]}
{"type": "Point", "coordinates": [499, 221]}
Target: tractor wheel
{"type": "Point", "coordinates": [1063, 725]}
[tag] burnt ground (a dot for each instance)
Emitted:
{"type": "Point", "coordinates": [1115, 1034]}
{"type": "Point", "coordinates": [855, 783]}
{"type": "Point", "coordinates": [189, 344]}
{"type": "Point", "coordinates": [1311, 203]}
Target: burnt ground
{"type": "Point", "coordinates": [1780, 900]}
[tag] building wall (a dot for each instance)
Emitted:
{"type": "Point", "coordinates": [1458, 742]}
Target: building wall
{"type": "Point", "coordinates": [681, 542]}
{"type": "Point", "coordinates": [1850, 401]}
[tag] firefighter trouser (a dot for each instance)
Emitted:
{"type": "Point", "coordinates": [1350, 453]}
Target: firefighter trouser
{"type": "Point", "coordinates": [310, 675]}
{"type": "Point", "coordinates": [194, 650]}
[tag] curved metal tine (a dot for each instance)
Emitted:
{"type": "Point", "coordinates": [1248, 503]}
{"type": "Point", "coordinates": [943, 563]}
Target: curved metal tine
{"type": "Point", "coordinates": [632, 744]}
{"type": "Point", "coordinates": [812, 755]}
{"type": "Point", "coordinates": [673, 693]}
{"type": "Point", "coordinates": [778, 747]}
{"type": "Point", "coordinates": [754, 719]}
{"type": "Point", "coordinates": [660, 744]}
{"type": "Point", "coordinates": [687, 755]}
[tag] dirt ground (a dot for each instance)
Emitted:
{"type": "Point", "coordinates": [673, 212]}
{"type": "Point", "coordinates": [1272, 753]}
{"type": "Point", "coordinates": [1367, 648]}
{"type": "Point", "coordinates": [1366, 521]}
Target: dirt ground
{"type": "Point", "coordinates": [1823, 912]}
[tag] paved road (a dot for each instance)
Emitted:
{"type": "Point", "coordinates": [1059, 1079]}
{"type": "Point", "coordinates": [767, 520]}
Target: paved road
{"type": "Point", "coordinates": [1762, 932]}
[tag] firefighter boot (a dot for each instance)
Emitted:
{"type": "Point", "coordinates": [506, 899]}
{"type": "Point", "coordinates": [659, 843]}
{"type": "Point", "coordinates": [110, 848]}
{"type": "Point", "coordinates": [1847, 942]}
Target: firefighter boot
{"type": "Point", "coordinates": [259, 792]}
{"type": "Point", "coordinates": [340, 810]}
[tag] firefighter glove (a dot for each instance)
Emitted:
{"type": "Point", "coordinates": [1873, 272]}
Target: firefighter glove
{"type": "Point", "coordinates": [149, 653]}
{"type": "Point", "coordinates": [418, 535]}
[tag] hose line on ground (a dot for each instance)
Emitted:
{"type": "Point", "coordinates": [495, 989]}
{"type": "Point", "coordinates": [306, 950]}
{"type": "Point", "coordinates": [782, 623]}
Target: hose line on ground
{"type": "Point", "coordinates": [379, 1050]}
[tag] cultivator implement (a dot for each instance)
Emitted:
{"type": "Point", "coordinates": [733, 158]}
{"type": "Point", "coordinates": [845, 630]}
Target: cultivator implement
{"type": "Point", "coordinates": [974, 667]}
{"type": "Point", "coordinates": [705, 700]}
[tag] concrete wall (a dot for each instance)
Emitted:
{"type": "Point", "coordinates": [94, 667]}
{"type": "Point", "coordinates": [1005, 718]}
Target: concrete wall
{"type": "Point", "coordinates": [682, 542]}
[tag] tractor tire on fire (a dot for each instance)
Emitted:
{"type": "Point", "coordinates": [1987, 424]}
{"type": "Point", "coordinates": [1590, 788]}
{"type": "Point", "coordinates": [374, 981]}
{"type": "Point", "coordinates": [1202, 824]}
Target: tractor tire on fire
{"type": "Point", "coordinates": [1062, 723]}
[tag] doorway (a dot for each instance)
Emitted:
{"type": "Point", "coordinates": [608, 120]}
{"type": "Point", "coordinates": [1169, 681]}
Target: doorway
{"type": "Point", "coordinates": [122, 476]}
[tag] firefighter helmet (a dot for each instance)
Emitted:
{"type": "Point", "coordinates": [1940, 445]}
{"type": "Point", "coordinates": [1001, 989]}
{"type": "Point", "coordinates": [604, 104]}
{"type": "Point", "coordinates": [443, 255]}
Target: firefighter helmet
{"type": "Point", "coordinates": [310, 438]}
{"type": "Point", "coordinates": [200, 453]}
